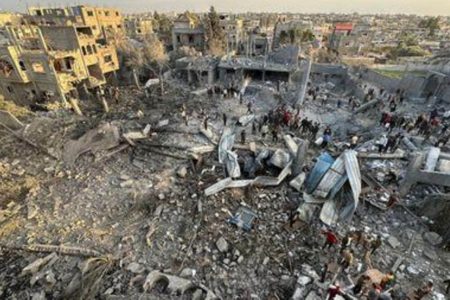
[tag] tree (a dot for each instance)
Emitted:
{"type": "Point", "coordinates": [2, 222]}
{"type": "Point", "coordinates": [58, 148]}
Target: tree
{"type": "Point", "coordinates": [214, 33]}
{"type": "Point", "coordinates": [155, 58]}
{"type": "Point", "coordinates": [432, 24]}
{"type": "Point", "coordinates": [133, 59]}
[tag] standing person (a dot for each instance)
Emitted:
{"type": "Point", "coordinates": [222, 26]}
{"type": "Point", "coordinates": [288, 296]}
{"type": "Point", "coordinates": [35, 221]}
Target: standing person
{"type": "Point", "coordinates": [264, 130]}
{"type": "Point", "coordinates": [362, 282]}
{"type": "Point", "coordinates": [116, 94]}
{"type": "Point", "coordinates": [354, 141]}
{"type": "Point", "coordinates": [382, 143]}
{"type": "Point", "coordinates": [225, 118]}
{"type": "Point", "coordinates": [275, 134]}
{"type": "Point", "coordinates": [388, 280]}
{"type": "Point", "coordinates": [374, 245]}
{"type": "Point", "coordinates": [339, 103]}
{"type": "Point", "coordinates": [427, 289]}
{"type": "Point", "coordinates": [393, 199]}
{"type": "Point", "coordinates": [205, 122]}
{"type": "Point", "coordinates": [347, 259]}
{"type": "Point", "coordinates": [184, 114]}
{"type": "Point", "coordinates": [346, 241]}
{"type": "Point", "coordinates": [331, 239]}
{"type": "Point", "coordinates": [334, 290]}
{"type": "Point", "coordinates": [243, 134]}
{"type": "Point", "coordinates": [249, 107]}
{"type": "Point", "coordinates": [374, 293]}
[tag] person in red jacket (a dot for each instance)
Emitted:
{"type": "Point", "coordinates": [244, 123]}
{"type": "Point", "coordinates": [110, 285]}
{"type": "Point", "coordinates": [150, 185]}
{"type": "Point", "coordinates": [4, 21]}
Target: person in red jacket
{"type": "Point", "coordinates": [334, 290]}
{"type": "Point", "coordinates": [331, 239]}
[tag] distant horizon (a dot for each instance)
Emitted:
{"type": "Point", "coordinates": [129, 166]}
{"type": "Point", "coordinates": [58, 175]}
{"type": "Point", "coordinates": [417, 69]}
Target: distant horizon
{"type": "Point", "coordinates": [362, 7]}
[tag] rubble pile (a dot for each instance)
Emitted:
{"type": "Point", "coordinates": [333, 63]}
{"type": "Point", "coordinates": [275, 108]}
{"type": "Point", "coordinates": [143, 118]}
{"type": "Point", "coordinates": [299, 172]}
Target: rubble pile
{"type": "Point", "coordinates": [190, 198]}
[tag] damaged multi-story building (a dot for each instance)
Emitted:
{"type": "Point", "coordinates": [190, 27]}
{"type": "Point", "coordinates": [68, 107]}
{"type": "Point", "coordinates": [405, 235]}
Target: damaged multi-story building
{"type": "Point", "coordinates": [56, 53]}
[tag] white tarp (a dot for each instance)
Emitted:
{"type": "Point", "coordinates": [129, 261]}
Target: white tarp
{"type": "Point", "coordinates": [353, 173]}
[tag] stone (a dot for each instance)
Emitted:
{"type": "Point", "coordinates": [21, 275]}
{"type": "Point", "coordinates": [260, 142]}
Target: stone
{"type": "Point", "coordinates": [197, 295]}
{"type": "Point", "coordinates": [433, 238]}
{"type": "Point", "coordinates": [135, 268]}
{"type": "Point", "coordinates": [313, 296]}
{"type": "Point", "coordinates": [240, 259]}
{"type": "Point", "coordinates": [127, 183]}
{"type": "Point", "coordinates": [226, 261]}
{"type": "Point", "coordinates": [161, 196]}
{"type": "Point", "coordinates": [298, 181]}
{"type": "Point", "coordinates": [303, 280]}
{"type": "Point", "coordinates": [430, 254]}
{"type": "Point", "coordinates": [266, 260]}
{"type": "Point", "coordinates": [222, 245]}
{"type": "Point", "coordinates": [182, 172]}
{"type": "Point", "coordinates": [393, 242]}
{"type": "Point", "coordinates": [187, 272]}
{"type": "Point", "coordinates": [412, 270]}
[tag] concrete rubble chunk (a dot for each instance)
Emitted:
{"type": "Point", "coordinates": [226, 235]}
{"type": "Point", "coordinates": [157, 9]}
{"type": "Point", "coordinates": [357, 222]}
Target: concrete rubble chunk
{"type": "Point", "coordinates": [280, 158]}
{"type": "Point", "coordinates": [135, 268]}
{"type": "Point", "coordinates": [182, 172]}
{"type": "Point", "coordinates": [37, 265]}
{"type": "Point", "coordinates": [222, 245]}
{"type": "Point", "coordinates": [298, 181]}
{"type": "Point", "coordinates": [393, 242]}
{"type": "Point", "coordinates": [433, 238]}
{"type": "Point", "coordinates": [175, 285]}
{"type": "Point", "coordinates": [104, 137]}
{"type": "Point", "coordinates": [7, 119]}
{"type": "Point", "coordinates": [303, 280]}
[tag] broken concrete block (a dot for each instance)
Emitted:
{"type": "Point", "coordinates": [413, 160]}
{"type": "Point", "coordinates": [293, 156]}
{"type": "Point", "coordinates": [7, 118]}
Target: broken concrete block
{"type": "Point", "coordinates": [37, 265]}
{"type": "Point", "coordinates": [280, 158]}
{"type": "Point", "coordinates": [7, 119]}
{"type": "Point", "coordinates": [182, 171]}
{"type": "Point", "coordinates": [313, 296]}
{"type": "Point", "coordinates": [393, 242]}
{"type": "Point", "coordinates": [135, 268]}
{"type": "Point", "coordinates": [298, 181]}
{"type": "Point", "coordinates": [303, 280]}
{"type": "Point", "coordinates": [433, 238]}
{"type": "Point", "coordinates": [222, 245]}
{"type": "Point", "coordinates": [187, 272]}
{"type": "Point", "coordinates": [127, 183]}
{"type": "Point", "coordinates": [104, 137]}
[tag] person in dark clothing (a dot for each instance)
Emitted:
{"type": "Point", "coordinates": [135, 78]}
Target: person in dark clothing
{"type": "Point", "coordinates": [205, 123]}
{"type": "Point", "coordinates": [224, 119]}
{"type": "Point", "coordinates": [375, 245]}
{"type": "Point", "coordinates": [360, 284]}
{"type": "Point", "coordinates": [243, 134]}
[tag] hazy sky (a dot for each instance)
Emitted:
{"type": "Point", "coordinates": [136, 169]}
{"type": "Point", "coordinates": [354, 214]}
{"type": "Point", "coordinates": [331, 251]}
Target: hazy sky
{"type": "Point", "coordinates": [422, 7]}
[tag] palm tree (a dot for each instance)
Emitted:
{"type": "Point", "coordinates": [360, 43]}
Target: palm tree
{"type": "Point", "coordinates": [133, 59]}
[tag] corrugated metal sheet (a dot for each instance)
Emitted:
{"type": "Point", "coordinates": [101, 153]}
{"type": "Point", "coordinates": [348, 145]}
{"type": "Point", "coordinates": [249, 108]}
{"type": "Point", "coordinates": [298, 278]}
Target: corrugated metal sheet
{"type": "Point", "coordinates": [329, 213]}
{"type": "Point", "coordinates": [322, 165]}
{"type": "Point", "coordinates": [353, 173]}
{"type": "Point", "coordinates": [333, 176]}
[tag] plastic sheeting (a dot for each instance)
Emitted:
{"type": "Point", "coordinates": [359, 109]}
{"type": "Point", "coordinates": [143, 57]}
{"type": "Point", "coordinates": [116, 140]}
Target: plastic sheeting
{"type": "Point", "coordinates": [324, 162]}
{"type": "Point", "coordinates": [232, 164]}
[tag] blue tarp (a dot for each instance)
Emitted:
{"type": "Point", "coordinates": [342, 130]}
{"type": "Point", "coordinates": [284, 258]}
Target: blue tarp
{"type": "Point", "coordinates": [324, 162]}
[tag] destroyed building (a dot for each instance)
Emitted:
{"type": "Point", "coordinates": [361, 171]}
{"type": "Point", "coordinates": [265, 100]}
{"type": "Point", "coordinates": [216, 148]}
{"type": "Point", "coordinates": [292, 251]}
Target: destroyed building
{"type": "Point", "coordinates": [279, 65]}
{"type": "Point", "coordinates": [187, 31]}
{"type": "Point", "coordinates": [138, 27]}
{"type": "Point", "coordinates": [55, 60]}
